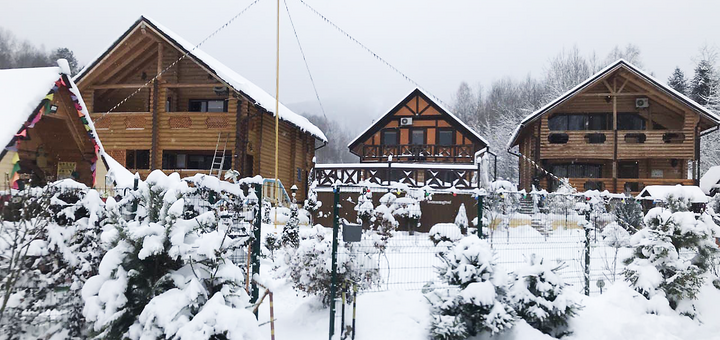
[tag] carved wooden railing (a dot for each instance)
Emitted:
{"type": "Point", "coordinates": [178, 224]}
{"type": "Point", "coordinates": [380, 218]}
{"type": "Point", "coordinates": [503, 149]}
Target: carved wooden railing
{"type": "Point", "coordinates": [435, 176]}
{"type": "Point", "coordinates": [419, 152]}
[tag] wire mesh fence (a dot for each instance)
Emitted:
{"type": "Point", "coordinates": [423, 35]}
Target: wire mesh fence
{"type": "Point", "coordinates": [565, 229]}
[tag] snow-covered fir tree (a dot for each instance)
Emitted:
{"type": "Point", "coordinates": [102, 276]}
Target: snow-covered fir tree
{"type": "Point", "coordinates": [615, 237]}
{"type": "Point", "coordinates": [703, 81]}
{"type": "Point", "coordinates": [478, 302]}
{"type": "Point", "coordinates": [364, 208]}
{"type": "Point", "coordinates": [266, 207]}
{"type": "Point", "coordinates": [166, 276]}
{"type": "Point", "coordinates": [538, 297]}
{"type": "Point", "coordinates": [678, 82]}
{"type": "Point", "coordinates": [290, 231]}
{"type": "Point", "coordinates": [384, 220]}
{"type": "Point", "coordinates": [657, 270]}
{"type": "Point", "coordinates": [461, 219]}
{"type": "Point", "coordinates": [628, 214]}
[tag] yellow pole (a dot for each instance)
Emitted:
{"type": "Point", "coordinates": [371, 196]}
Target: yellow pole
{"type": "Point", "coordinates": [277, 114]}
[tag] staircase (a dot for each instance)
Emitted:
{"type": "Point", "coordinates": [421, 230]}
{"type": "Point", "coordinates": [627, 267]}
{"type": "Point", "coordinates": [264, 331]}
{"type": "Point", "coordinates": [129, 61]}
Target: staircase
{"type": "Point", "coordinates": [219, 156]}
{"type": "Point", "coordinates": [527, 206]}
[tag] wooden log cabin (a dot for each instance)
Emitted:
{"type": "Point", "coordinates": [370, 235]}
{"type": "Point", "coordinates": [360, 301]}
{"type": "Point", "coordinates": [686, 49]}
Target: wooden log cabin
{"type": "Point", "coordinates": [620, 130]}
{"type": "Point", "coordinates": [195, 106]}
{"type": "Point", "coordinates": [427, 145]}
{"type": "Point", "coordinates": [46, 131]}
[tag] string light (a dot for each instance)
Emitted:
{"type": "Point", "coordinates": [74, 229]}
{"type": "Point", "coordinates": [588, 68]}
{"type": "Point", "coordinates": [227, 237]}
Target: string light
{"type": "Point", "coordinates": [226, 24]}
{"type": "Point", "coordinates": [371, 52]}
{"type": "Point", "coordinates": [302, 52]}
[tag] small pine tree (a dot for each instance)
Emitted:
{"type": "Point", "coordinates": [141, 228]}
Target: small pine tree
{"type": "Point", "coordinates": [656, 270]}
{"type": "Point", "coordinates": [537, 297]}
{"type": "Point", "coordinates": [290, 234]}
{"type": "Point", "coordinates": [628, 214]}
{"type": "Point", "coordinates": [678, 82]}
{"type": "Point", "coordinates": [364, 209]}
{"type": "Point", "coordinates": [272, 244]}
{"type": "Point", "coordinates": [461, 219]}
{"type": "Point", "coordinates": [479, 303]}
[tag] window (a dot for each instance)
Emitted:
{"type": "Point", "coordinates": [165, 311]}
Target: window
{"type": "Point", "coordinates": [580, 121]}
{"type": "Point", "coordinates": [417, 136]}
{"type": "Point", "coordinates": [137, 159]}
{"type": "Point", "coordinates": [204, 105]}
{"type": "Point", "coordinates": [577, 170]}
{"type": "Point", "coordinates": [197, 160]}
{"type": "Point", "coordinates": [446, 137]}
{"type": "Point", "coordinates": [389, 137]}
{"type": "Point", "coordinates": [628, 170]}
{"type": "Point", "coordinates": [630, 121]}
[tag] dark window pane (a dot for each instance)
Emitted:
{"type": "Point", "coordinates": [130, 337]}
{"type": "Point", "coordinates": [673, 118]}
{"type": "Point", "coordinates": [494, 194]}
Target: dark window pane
{"type": "Point", "coordinates": [592, 170]}
{"type": "Point", "coordinates": [130, 159]}
{"type": "Point", "coordinates": [598, 121]}
{"type": "Point", "coordinates": [142, 159]}
{"type": "Point", "coordinates": [445, 137]}
{"type": "Point", "coordinates": [576, 122]}
{"type": "Point", "coordinates": [560, 170]}
{"type": "Point", "coordinates": [558, 123]}
{"type": "Point", "coordinates": [196, 106]}
{"type": "Point", "coordinates": [389, 137]}
{"type": "Point", "coordinates": [630, 121]}
{"type": "Point", "coordinates": [418, 137]}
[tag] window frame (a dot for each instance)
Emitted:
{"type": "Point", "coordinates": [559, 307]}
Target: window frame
{"type": "Point", "coordinates": [383, 138]}
{"type": "Point", "coordinates": [411, 136]}
{"type": "Point", "coordinates": [452, 136]}
{"type": "Point", "coordinates": [206, 102]}
{"type": "Point", "coordinates": [132, 159]}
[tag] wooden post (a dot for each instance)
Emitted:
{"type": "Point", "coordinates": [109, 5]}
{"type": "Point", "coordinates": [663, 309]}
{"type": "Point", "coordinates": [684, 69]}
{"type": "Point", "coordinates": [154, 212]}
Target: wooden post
{"type": "Point", "coordinates": [154, 157]}
{"type": "Point", "coordinates": [615, 138]}
{"type": "Point", "coordinates": [241, 137]}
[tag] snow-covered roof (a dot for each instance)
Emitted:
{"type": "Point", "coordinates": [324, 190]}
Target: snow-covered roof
{"type": "Point", "coordinates": [710, 179]}
{"type": "Point", "coordinates": [661, 192]}
{"type": "Point", "coordinates": [620, 63]}
{"type": "Point", "coordinates": [227, 75]}
{"type": "Point", "coordinates": [21, 91]}
{"type": "Point", "coordinates": [443, 109]}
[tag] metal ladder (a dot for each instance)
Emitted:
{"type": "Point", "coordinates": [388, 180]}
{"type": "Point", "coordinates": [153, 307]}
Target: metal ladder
{"type": "Point", "coordinates": [219, 157]}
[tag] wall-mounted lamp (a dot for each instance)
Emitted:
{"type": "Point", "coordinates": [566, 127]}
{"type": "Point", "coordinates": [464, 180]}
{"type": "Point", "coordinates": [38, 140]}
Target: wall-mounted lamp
{"type": "Point", "coordinates": [221, 90]}
{"type": "Point", "coordinates": [53, 108]}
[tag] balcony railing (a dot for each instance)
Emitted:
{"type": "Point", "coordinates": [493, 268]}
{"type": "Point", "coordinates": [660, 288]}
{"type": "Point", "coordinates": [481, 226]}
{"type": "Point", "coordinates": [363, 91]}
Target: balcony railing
{"type": "Point", "coordinates": [419, 152]}
{"type": "Point", "coordinates": [420, 175]}
{"type": "Point", "coordinates": [633, 185]}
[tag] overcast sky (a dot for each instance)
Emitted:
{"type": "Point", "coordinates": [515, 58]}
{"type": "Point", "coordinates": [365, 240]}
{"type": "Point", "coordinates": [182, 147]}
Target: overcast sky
{"type": "Point", "coordinates": [436, 43]}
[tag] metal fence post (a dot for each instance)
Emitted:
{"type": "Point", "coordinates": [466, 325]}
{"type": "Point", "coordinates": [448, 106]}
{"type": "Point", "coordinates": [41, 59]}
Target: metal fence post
{"type": "Point", "coordinates": [587, 260]}
{"type": "Point", "coordinates": [333, 277]}
{"type": "Point", "coordinates": [255, 256]}
{"type": "Point", "coordinates": [480, 216]}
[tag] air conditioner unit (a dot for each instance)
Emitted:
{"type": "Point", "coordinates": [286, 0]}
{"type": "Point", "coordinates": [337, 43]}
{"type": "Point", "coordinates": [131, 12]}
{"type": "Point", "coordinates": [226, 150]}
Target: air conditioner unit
{"type": "Point", "coordinates": [642, 103]}
{"type": "Point", "coordinates": [405, 121]}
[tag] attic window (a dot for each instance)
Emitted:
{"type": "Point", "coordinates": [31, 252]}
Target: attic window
{"type": "Point", "coordinates": [446, 137]}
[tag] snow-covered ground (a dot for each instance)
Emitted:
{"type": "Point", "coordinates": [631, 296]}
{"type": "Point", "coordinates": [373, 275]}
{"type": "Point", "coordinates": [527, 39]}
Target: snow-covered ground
{"type": "Point", "coordinates": [398, 310]}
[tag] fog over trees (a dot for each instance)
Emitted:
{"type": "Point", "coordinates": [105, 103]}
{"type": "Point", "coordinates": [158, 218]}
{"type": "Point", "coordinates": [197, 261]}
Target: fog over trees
{"type": "Point", "coordinates": [15, 53]}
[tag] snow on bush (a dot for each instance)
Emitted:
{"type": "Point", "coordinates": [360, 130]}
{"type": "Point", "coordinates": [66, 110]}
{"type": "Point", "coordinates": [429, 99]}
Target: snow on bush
{"type": "Point", "coordinates": [385, 222]}
{"type": "Point", "coordinates": [49, 246]}
{"type": "Point", "coordinates": [310, 265]}
{"type": "Point", "coordinates": [628, 213]}
{"type": "Point", "coordinates": [364, 208]}
{"type": "Point", "coordinates": [478, 303]}
{"type": "Point", "coordinates": [445, 232]}
{"type": "Point", "coordinates": [657, 270]}
{"type": "Point", "coordinates": [537, 295]}
{"type": "Point", "coordinates": [170, 277]}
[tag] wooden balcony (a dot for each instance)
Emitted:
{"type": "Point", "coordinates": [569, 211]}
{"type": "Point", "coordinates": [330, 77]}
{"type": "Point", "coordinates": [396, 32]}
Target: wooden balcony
{"type": "Point", "coordinates": [414, 175]}
{"type": "Point", "coordinates": [635, 185]}
{"type": "Point", "coordinates": [419, 153]}
{"type": "Point", "coordinates": [655, 144]}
